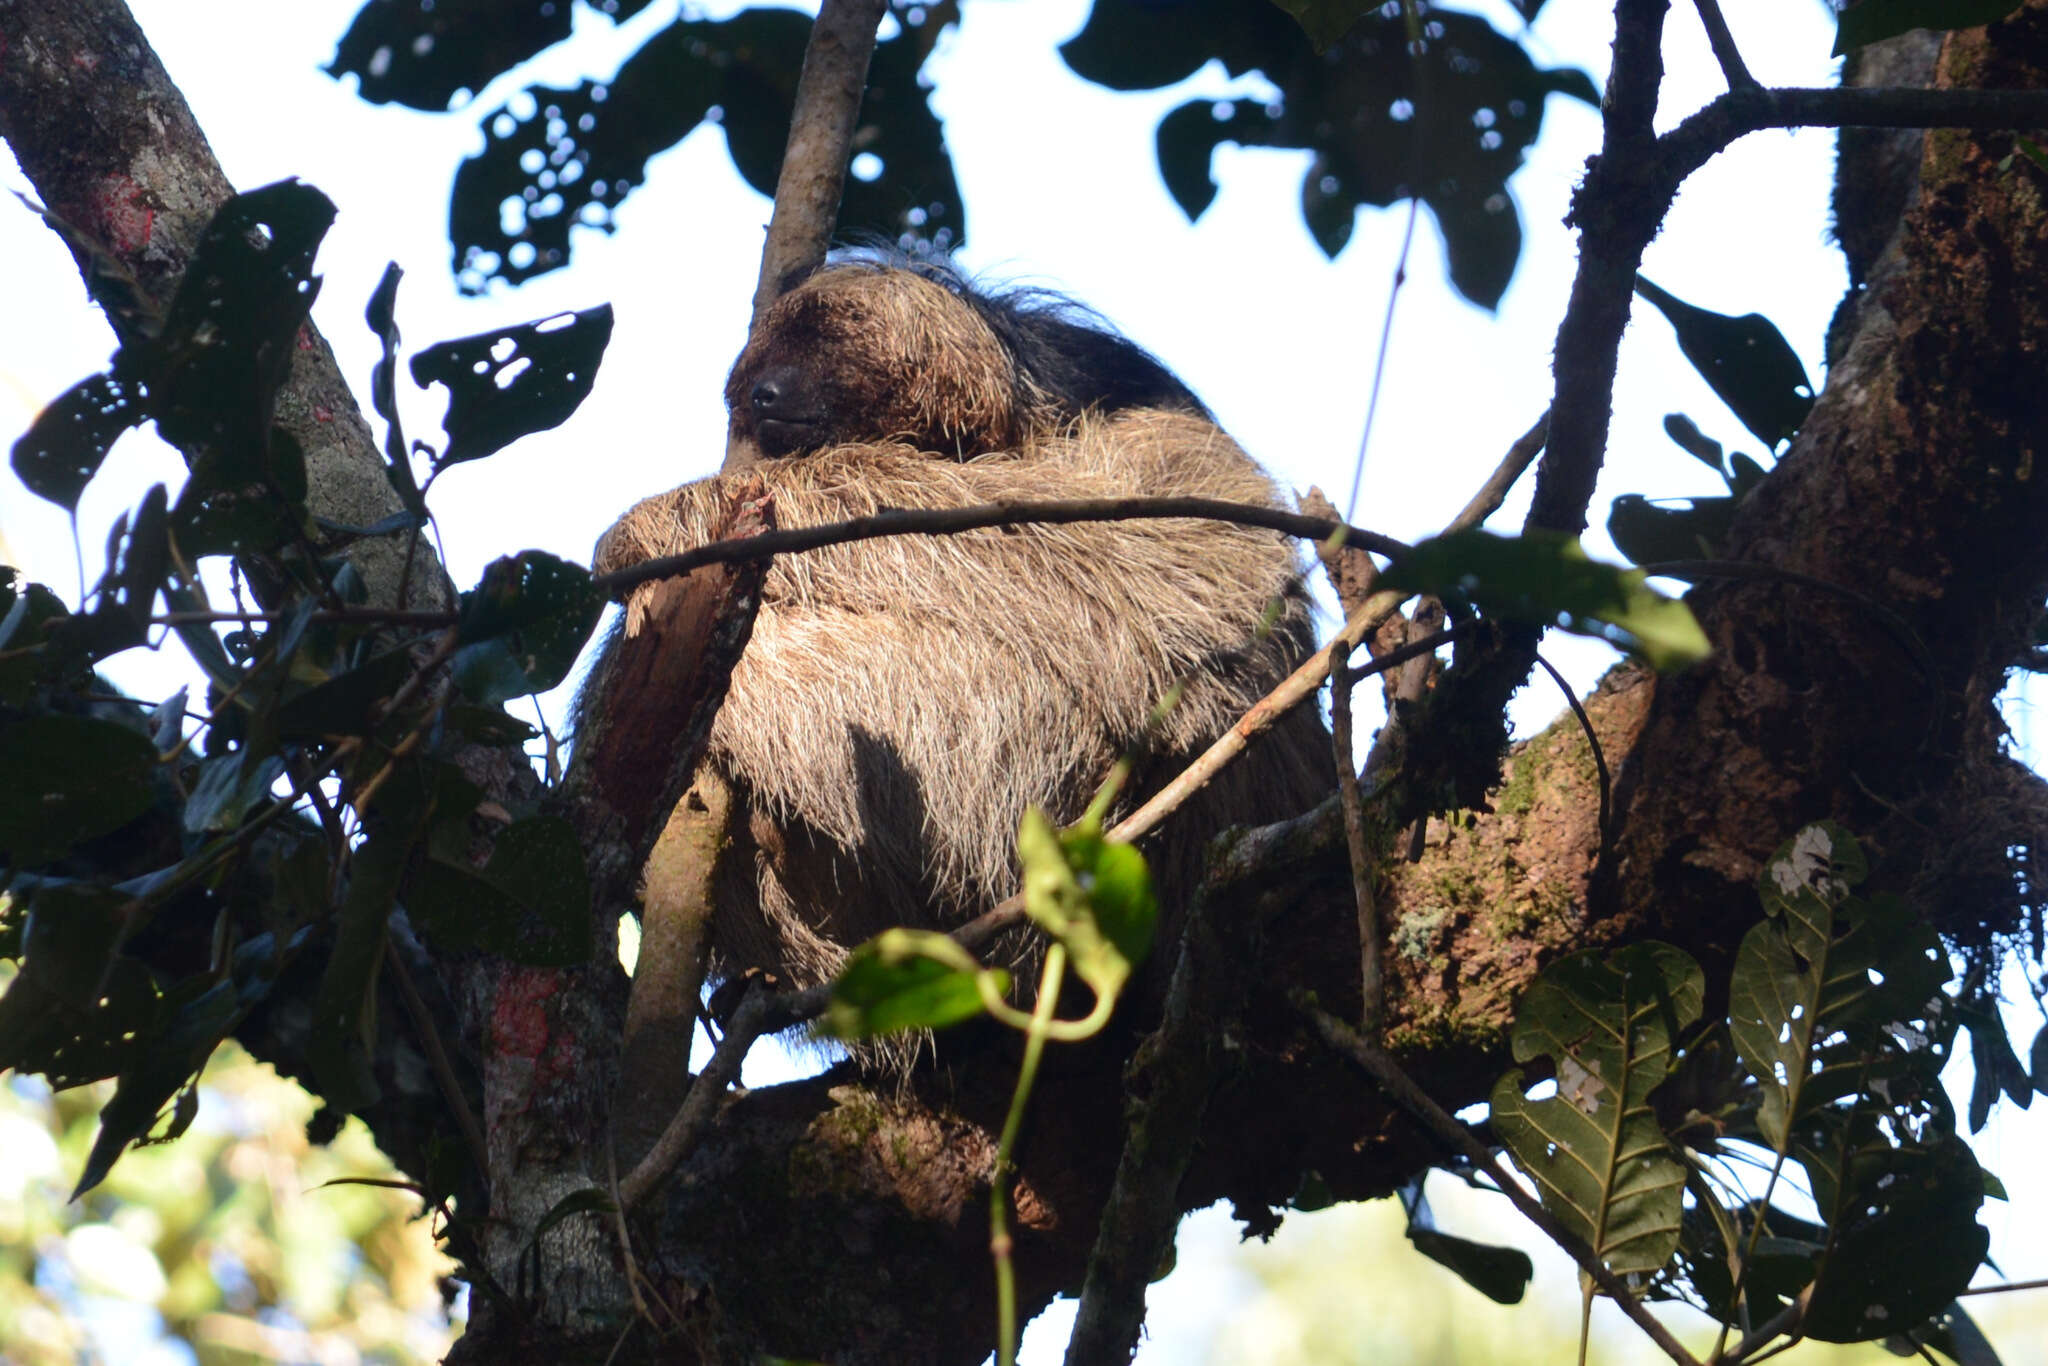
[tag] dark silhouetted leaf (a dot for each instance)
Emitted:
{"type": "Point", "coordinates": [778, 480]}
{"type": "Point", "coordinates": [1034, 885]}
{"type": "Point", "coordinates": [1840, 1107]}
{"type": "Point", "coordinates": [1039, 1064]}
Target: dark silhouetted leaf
{"type": "Point", "coordinates": [425, 56]}
{"type": "Point", "coordinates": [345, 703]}
{"type": "Point", "coordinates": [73, 1011]}
{"type": "Point", "coordinates": [907, 979]}
{"type": "Point", "coordinates": [524, 626]}
{"type": "Point", "coordinates": [69, 779]}
{"type": "Point", "coordinates": [1599, 1160]}
{"type": "Point", "coordinates": [571, 155]}
{"type": "Point", "coordinates": [64, 447]}
{"type": "Point", "coordinates": [382, 319]}
{"type": "Point", "coordinates": [1447, 124]}
{"type": "Point", "coordinates": [1502, 1274]}
{"type": "Point", "coordinates": [1745, 360]}
{"type": "Point", "coordinates": [1920, 1196]}
{"type": "Point", "coordinates": [530, 903]}
{"type": "Point", "coordinates": [26, 610]}
{"type": "Point", "coordinates": [1674, 529]}
{"type": "Point", "coordinates": [508, 383]}
{"type": "Point", "coordinates": [1870, 21]}
{"type": "Point", "coordinates": [1546, 580]}
{"type": "Point", "coordinates": [1695, 443]}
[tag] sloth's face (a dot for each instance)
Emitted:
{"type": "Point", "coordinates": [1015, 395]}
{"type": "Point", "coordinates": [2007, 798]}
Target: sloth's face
{"type": "Point", "coordinates": [861, 354]}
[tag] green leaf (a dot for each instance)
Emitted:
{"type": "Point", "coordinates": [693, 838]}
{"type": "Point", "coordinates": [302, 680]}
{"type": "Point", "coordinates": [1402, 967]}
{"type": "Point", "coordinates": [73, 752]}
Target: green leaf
{"type": "Point", "coordinates": [1595, 1151]}
{"type": "Point", "coordinates": [508, 383]}
{"type": "Point", "coordinates": [68, 779]}
{"type": "Point", "coordinates": [907, 979]}
{"type": "Point", "coordinates": [1545, 579]}
{"type": "Point", "coordinates": [1874, 20]}
{"type": "Point", "coordinates": [1918, 1196]}
{"type": "Point", "coordinates": [523, 626]}
{"type": "Point", "coordinates": [529, 903]}
{"type": "Point", "coordinates": [1745, 360]}
{"type": "Point", "coordinates": [1830, 994]}
{"type": "Point", "coordinates": [230, 784]}
{"type": "Point", "coordinates": [1090, 894]}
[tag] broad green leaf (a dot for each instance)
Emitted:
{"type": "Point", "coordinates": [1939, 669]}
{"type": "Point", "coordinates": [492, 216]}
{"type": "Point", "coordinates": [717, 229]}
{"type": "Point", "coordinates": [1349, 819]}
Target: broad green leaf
{"type": "Point", "coordinates": [1873, 20]}
{"type": "Point", "coordinates": [1595, 1151]}
{"type": "Point", "coordinates": [1745, 360]}
{"type": "Point", "coordinates": [1090, 894]}
{"type": "Point", "coordinates": [67, 779]}
{"type": "Point", "coordinates": [1545, 579]}
{"type": "Point", "coordinates": [907, 979]}
{"type": "Point", "coordinates": [1830, 993]}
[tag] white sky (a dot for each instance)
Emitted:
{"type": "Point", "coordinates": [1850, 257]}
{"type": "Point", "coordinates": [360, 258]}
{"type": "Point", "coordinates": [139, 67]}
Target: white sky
{"type": "Point", "coordinates": [1061, 189]}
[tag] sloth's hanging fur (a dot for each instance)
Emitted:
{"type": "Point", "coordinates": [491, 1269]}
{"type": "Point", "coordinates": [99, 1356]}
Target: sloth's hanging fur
{"type": "Point", "coordinates": [904, 699]}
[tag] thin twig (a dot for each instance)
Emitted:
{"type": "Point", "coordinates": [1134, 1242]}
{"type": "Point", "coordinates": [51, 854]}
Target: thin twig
{"type": "Point", "coordinates": [1494, 491]}
{"type": "Point", "coordinates": [1723, 43]}
{"type": "Point", "coordinates": [1009, 512]}
{"type": "Point", "coordinates": [1592, 743]}
{"type": "Point", "coordinates": [1412, 1098]}
{"type": "Point", "coordinates": [1379, 365]}
{"type": "Point", "coordinates": [440, 1064]}
{"type": "Point", "coordinates": [1371, 988]}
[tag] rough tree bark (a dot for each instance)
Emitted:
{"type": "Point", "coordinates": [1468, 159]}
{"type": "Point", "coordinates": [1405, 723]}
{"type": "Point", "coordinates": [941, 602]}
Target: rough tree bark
{"type": "Point", "coordinates": [824, 1220]}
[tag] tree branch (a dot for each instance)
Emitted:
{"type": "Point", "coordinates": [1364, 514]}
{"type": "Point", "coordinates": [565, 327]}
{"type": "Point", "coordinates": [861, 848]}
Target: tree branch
{"type": "Point", "coordinates": [1739, 113]}
{"type": "Point", "coordinates": [952, 521]}
{"type": "Point", "coordinates": [821, 128]}
{"type": "Point", "coordinates": [1458, 1139]}
{"type": "Point", "coordinates": [1723, 43]}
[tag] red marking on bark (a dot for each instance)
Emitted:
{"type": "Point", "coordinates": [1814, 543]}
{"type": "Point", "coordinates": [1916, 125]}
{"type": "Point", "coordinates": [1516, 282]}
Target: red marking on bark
{"type": "Point", "coordinates": [519, 1016]}
{"type": "Point", "coordinates": [122, 214]}
{"type": "Point", "coordinates": [322, 414]}
{"type": "Point", "coordinates": [305, 337]}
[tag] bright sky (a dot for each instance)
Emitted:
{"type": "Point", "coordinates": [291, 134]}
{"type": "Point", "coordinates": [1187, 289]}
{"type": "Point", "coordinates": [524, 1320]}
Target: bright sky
{"type": "Point", "coordinates": [1061, 189]}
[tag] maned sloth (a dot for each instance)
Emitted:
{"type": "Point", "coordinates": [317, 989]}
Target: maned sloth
{"type": "Point", "coordinates": [902, 700]}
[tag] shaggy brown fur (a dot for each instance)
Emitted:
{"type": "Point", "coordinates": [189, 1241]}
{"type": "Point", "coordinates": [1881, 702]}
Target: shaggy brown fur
{"type": "Point", "coordinates": [904, 699]}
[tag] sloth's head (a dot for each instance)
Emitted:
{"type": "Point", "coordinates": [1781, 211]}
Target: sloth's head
{"type": "Point", "coordinates": [891, 349]}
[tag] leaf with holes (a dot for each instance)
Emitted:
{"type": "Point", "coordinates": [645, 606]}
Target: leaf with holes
{"type": "Point", "coordinates": [510, 383]}
{"type": "Point", "coordinates": [1832, 993]}
{"type": "Point", "coordinates": [1595, 1151]}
